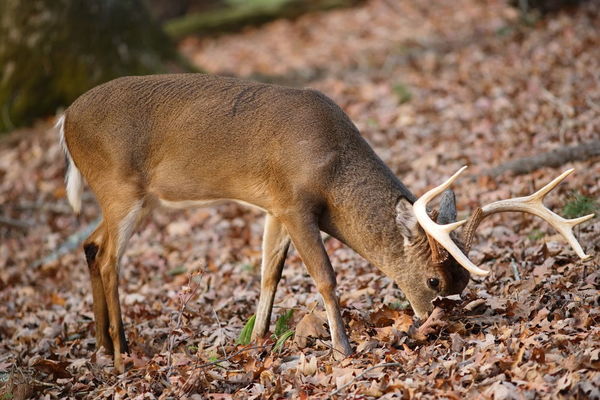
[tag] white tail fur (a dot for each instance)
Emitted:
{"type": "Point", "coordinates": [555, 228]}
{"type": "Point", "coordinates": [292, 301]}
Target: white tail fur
{"type": "Point", "coordinates": [73, 178]}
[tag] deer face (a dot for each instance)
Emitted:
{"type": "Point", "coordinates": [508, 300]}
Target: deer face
{"type": "Point", "coordinates": [428, 271]}
{"type": "Point", "coordinates": [445, 252]}
{"type": "Point", "coordinates": [426, 279]}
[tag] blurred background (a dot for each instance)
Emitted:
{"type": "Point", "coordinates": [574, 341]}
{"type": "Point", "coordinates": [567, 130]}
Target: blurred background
{"type": "Point", "coordinates": [52, 51]}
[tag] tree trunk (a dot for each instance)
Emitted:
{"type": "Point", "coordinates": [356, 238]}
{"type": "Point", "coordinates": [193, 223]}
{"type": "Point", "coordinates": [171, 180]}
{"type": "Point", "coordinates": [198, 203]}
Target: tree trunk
{"type": "Point", "coordinates": [51, 51]}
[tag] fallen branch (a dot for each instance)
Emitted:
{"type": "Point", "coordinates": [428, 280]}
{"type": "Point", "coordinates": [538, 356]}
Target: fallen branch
{"type": "Point", "coordinates": [357, 377]}
{"type": "Point", "coordinates": [554, 158]}
{"type": "Point", "coordinates": [70, 244]}
{"type": "Point", "coordinates": [15, 223]}
{"type": "Point", "coordinates": [59, 208]}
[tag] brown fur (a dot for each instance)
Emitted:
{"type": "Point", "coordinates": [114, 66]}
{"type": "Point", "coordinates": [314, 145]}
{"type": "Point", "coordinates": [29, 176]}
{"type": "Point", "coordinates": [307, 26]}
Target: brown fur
{"type": "Point", "coordinates": [292, 152]}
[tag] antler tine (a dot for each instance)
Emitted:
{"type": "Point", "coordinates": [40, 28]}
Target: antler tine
{"type": "Point", "coordinates": [438, 255]}
{"type": "Point", "coordinates": [541, 193]}
{"type": "Point", "coordinates": [468, 232]}
{"type": "Point", "coordinates": [533, 204]}
{"type": "Point", "coordinates": [441, 233]}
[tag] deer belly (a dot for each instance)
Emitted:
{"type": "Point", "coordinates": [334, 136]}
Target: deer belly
{"type": "Point", "coordinates": [182, 204]}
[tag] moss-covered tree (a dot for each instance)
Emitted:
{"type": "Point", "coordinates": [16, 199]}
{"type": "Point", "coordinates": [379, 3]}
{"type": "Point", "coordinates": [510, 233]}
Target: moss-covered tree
{"type": "Point", "coordinates": [212, 16]}
{"type": "Point", "coordinates": [51, 51]}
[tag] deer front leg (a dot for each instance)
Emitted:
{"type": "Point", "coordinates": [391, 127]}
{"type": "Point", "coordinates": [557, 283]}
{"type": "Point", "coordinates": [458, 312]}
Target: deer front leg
{"type": "Point", "coordinates": [306, 237]}
{"type": "Point", "coordinates": [276, 242]}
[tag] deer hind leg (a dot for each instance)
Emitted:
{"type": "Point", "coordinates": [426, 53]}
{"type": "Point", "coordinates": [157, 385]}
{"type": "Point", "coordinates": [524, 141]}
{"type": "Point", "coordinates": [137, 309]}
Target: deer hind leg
{"type": "Point", "coordinates": [91, 248]}
{"type": "Point", "coordinates": [121, 218]}
{"type": "Point", "coordinates": [306, 236]}
{"type": "Point", "coordinates": [276, 242]}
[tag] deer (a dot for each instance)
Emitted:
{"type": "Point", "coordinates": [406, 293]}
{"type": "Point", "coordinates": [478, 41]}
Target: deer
{"type": "Point", "coordinates": [195, 140]}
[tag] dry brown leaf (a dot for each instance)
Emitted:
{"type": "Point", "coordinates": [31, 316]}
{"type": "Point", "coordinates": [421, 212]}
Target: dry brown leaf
{"type": "Point", "coordinates": [311, 325]}
{"type": "Point", "coordinates": [437, 319]}
{"type": "Point", "coordinates": [342, 376]}
{"type": "Point", "coordinates": [56, 368]}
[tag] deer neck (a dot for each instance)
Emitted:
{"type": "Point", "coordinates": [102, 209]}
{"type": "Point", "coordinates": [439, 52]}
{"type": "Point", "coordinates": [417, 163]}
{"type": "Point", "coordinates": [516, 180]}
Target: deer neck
{"type": "Point", "coordinates": [362, 212]}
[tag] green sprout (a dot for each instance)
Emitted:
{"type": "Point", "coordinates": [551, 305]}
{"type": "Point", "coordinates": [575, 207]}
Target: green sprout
{"type": "Point", "coordinates": [579, 206]}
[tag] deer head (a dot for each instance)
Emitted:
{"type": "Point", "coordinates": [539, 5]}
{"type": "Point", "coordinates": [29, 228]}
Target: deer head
{"type": "Point", "coordinates": [448, 260]}
{"type": "Point", "coordinates": [429, 271]}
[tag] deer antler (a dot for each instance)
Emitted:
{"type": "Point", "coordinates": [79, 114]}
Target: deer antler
{"type": "Point", "coordinates": [441, 233]}
{"type": "Point", "coordinates": [532, 204]}
{"type": "Point", "coordinates": [438, 253]}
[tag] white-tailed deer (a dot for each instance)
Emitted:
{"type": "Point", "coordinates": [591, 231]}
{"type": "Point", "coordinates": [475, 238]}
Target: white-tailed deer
{"type": "Point", "coordinates": [193, 140]}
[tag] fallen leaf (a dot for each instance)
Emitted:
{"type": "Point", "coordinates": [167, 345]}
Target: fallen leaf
{"type": "Point", "coordinates": [437, 319]}
{"type": "Point", "coordinates": [310, 325]}
{"type": "Point", "coordinates": [56, 368]}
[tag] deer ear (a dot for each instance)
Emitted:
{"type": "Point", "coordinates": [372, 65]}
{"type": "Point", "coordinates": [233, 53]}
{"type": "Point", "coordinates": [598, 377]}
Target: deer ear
{"type": "Point", "coordinates": [406, 219]}
{"type": "Point", "coordinates": [447, 212]}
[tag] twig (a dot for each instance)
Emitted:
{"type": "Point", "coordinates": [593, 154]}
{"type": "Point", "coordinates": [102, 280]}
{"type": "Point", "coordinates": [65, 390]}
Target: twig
{"type": "Point", "coordinates": [71, 243]}
{"type": "Point", "coordinates": [515, 270]}
{"type": "Point", "coordinates": [106, 389]}
{"type": "Point", "coordinates": [41, 383]}
{"type": "Point", "coordinates": [184, 300]}
{"type": "Point", "coordinates": [185, 387]}
{"type": "Point", "coordinates": [333, 349]}
{"type": "Point", "coordinates": [357, 377]}
{"type": "Point", "coordinates": [219, 323]}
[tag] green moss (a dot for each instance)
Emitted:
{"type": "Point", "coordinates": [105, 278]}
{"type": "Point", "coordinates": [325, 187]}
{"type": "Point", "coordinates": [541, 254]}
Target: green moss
{"type": "Point", "coordinates": [402, 92]}
{"type": "Point", "coordinates": [535, 235]}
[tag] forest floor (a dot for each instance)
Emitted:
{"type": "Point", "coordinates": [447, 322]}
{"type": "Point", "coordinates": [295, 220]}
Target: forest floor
{"type": "Point", "coordinates": [432, 86]}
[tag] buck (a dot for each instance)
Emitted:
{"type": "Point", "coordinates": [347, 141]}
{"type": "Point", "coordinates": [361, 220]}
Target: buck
{"type": "Point", "coordinates": [195, 140]}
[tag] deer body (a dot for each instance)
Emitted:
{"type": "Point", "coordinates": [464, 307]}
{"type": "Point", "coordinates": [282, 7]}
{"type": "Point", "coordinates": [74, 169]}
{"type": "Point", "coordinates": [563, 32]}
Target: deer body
{"type": "Point", "coordinates": [194, 140]}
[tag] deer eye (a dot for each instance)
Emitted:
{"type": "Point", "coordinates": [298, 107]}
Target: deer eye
{"type": "Point", "coordinates": [433, 283]}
